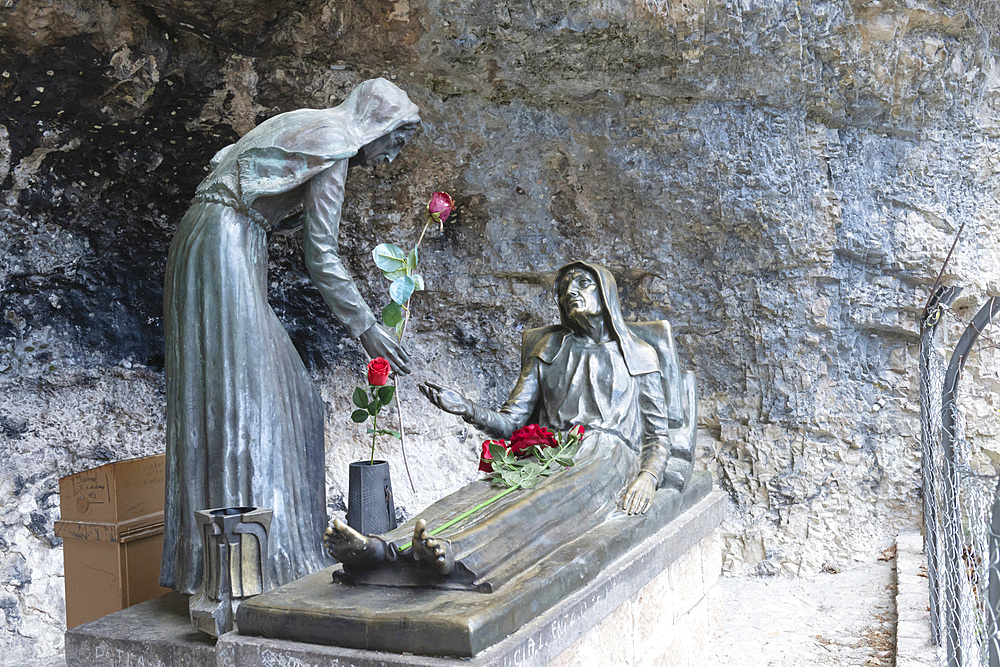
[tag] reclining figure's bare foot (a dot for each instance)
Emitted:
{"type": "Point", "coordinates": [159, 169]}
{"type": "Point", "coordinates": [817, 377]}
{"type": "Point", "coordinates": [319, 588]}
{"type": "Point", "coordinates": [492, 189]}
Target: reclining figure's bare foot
{"type": "Point", "coordinates": [349, 546]}
{"type": "Point", "coordinates": [436, 553]}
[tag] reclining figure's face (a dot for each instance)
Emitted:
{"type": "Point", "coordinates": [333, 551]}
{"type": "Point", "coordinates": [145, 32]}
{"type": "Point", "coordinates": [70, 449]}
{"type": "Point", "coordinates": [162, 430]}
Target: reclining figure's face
{"type": "Point", "coordinates": [579, 294]}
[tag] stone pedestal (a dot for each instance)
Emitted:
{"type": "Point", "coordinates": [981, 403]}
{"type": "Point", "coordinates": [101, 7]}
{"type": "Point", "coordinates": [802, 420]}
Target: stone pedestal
{"type": "Point", "coordinates": [654, 606]}
{"type": "Point", "coordinates": [155, 633]}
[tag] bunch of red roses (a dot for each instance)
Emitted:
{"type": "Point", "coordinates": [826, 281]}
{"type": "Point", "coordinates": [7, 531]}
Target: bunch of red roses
{"type": "Point", "coordinates": [532, 453]}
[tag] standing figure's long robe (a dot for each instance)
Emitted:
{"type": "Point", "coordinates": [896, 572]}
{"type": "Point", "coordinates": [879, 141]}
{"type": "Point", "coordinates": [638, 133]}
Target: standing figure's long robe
{"type": "Point", "coordinates": [244, 421]}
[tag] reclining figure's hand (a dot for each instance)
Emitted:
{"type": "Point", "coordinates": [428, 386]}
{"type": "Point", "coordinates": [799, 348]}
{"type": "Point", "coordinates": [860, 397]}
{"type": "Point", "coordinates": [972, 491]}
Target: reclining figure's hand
{"type": "Point", "coordinates": [447, 399]}
{"type": "Point", "coordinates": [639, 495]}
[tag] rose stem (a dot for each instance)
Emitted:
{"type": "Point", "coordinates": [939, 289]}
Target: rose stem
{"type": "Point", "coordinates": [374, 433]}
{"type": "Point", "coordinates": [402, 446]}
{"type": "Point", "coordinates": [466, 514]}
{"type": "Point", "coordinates": [406, 318]}
{"type": "Point", "coordinates": [395, 383]}
{"type": "Point", "coordinates": [423, 231]}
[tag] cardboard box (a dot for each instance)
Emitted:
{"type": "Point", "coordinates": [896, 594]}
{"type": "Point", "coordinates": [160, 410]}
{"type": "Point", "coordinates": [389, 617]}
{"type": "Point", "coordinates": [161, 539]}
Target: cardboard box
{"type": "Point", "coordinates": [112, 530]}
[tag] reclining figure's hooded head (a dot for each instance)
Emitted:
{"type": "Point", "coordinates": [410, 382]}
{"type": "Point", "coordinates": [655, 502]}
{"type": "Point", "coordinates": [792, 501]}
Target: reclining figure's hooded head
{"type": "Point", "coordinates": [639, 356]}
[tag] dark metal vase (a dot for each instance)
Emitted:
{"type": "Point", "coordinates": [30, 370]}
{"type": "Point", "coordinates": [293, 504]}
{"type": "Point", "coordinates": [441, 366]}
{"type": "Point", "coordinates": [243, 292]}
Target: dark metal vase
{"type": "Point", "coordinates": [234, 557]}
{"type": "Point", "coordinates": [370, 509]}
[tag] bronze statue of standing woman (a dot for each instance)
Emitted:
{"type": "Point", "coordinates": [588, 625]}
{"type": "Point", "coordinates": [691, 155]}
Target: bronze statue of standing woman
{"type": "Point", "coordinates": [244, 421]}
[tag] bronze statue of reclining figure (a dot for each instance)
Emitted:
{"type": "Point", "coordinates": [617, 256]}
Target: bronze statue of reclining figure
{"type": "Point", "coordinates": [620, 381]}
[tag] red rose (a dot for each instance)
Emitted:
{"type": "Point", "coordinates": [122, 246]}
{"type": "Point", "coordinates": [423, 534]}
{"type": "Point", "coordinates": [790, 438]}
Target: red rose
{"type": "Point", "coordinates": [440, 206]}
{"type": "Point", "coordinates": [378, 371]}
{"type": "Point", "coordinates": [530, 436]}
{"type": "Point", "coordinates": [486, 457]}
{"type": "Point", "coordinates": [579, 429]}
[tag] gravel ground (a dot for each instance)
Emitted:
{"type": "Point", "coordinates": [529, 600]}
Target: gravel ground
{"type": "Point", "coordinates": [844, 618]}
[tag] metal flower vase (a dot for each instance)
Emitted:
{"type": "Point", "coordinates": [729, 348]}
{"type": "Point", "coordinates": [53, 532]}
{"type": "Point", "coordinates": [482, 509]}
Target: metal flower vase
{"type": "Point", "coordinates": [370, 509]}
{"type": "Point", "coordinates": [234, 556]}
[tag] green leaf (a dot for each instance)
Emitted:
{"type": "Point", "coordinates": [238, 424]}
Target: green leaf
{"type": "Point", "coordinates": [385, 394]}
{"type": "Point", "coordinates": [392, 314]}
{"type": "Point", "coordinates": [395, 434]}
{"type": "Point", "coordinates": [532, 469]}
{"type": "Point", "coordinates": [497, 452]}
{"type": "Point", "coordinates": [392, 275]}
{"type": "Point", "coordinates": [418, 281]}
{"type": "Point", "coordinates": [359, 416]}
{"type": "Point", "coordinates": [564, 461]}
{"type": "Point", "coordinates": [360, 397]}
{"type": "Point", "coordinates": [411, 260]}
{"type": "Point", "coordinates": [401, 289]}
{"type": "Point", "coordinates": [399, 330]}
{"type": "Point", "coordinates": [510, 478]}
{"type": "Point", "coordinates": [373, 408]}
{"type": "Point", "coordinates": [388, 257]}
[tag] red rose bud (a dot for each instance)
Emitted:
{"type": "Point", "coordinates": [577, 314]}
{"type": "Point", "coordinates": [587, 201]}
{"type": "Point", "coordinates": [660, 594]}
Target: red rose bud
{"type": "Point", "coordinates": [378, 371]}
{"type": "Point", "coordinates": [579, 429]}
{"type": "Point", "coordinates": [440, 206]}
{"type": "Point", "coordinates": [529, 436]}
{"type": "Point", "coordinates": [486, 457]}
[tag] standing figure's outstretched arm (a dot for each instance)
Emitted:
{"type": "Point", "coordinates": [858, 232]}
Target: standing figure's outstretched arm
{"type": "Point", "coordinates": [324, 197]}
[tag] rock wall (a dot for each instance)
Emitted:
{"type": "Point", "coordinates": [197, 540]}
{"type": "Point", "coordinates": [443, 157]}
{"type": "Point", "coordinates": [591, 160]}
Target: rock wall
{"type": "Point", "coordinates": [780, 179]}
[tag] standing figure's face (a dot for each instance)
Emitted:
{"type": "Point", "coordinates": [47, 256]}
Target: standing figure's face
{"type": "Point", "coordinates": [385, 148]}
{"type": "Point", "coordinates": [579, 294]}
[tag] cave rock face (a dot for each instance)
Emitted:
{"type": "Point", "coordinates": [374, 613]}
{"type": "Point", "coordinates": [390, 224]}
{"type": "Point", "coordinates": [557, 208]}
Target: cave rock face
{"type": "Point", "coordinates": [780, 180]}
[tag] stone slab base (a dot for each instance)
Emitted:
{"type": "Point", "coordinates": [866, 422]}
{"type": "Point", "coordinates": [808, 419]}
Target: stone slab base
{"type": "Point", "coordinates": [317, 609]}
{"type": "Point", "coordinates": [654, 606]}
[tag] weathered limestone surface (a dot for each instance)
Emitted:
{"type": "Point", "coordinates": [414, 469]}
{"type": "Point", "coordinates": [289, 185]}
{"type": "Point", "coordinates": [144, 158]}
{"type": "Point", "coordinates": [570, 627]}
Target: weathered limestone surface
{"type": "Point", "coordinates": [781, 179]}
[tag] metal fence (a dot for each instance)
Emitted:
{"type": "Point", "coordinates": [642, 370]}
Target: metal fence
{"type": "Point", "coordinates": [961, 502]}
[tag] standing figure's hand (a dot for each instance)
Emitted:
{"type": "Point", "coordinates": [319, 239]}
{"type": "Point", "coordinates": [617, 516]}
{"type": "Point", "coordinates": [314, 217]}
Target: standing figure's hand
{"type": "Point", "coordinates": [378, 343]}
{"type": "Point", "coordinates": [447, 399]}
{"type": "Point", "coordinates": [639, 495]}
